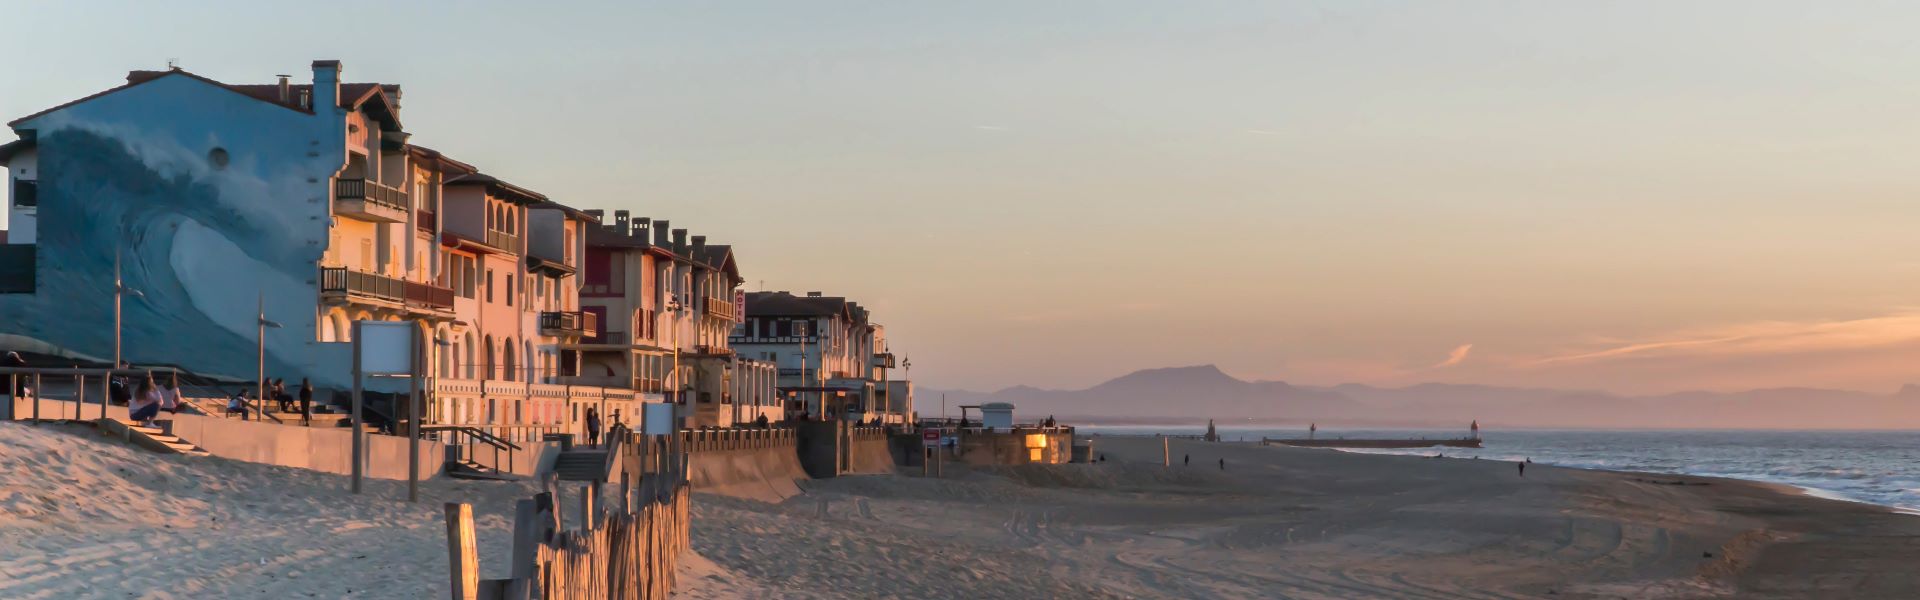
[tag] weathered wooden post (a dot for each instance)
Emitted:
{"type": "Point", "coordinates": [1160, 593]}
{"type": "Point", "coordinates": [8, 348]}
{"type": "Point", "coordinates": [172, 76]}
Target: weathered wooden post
{"type": "Point", "coordinates": [463, 563]}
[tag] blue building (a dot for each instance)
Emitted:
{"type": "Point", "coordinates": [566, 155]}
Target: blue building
{"type": "Point", "coordinates": [213, 197]}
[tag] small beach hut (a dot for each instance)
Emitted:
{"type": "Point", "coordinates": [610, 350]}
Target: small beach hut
{"type": "Point", "coordinates": [997, 415]}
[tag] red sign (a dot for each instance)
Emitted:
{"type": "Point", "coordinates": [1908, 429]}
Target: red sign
{"type": "Point", "coordinates": [930, 436]}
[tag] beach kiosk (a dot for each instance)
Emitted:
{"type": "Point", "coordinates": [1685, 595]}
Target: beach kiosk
{"type": "Point", "coordinates": [996, 415]}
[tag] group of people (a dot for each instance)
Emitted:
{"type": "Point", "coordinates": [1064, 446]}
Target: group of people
{"type": "Point", "coordinates": [276, 390]}
{"type": "Point", "coordinates": [145, 398]}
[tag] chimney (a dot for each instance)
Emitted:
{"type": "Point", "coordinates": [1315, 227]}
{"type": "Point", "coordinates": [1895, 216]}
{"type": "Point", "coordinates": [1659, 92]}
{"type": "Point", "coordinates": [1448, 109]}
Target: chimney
{"type": "Point", "coordinates": [813, 294]}
{"type": "Point", "coordinates": [326, 85]}
{"type": "Point", "coordinates": [640, 229]}
{"type": "Point", "coordinates": [286, 89]}
{"type": "Point", "coordinates": [699, 244]}
{"type": "Point", "coordinates": [680, 242]}
{"type": "Point", "coordinates": [597, 214]}
{"type": "Point", "coordinates": [660, 233]}
{"type": "Point", "coordinates": [620, 220]}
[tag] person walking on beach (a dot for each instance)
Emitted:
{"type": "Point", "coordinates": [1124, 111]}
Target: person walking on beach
{"type": "Point", "coordinates": [1223, 464]}
{"type": "Point", "coordinates": [1186, 460]}
{"type": "Point", "coordinates": [1523, 469]}
{"type": "Point", "coordinates": [306, 401]}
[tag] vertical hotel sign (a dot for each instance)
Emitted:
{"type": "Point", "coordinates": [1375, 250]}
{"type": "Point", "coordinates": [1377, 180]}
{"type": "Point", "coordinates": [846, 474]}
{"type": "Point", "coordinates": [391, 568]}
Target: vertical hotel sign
{"type": "Point", "coordinates": [739, 306]}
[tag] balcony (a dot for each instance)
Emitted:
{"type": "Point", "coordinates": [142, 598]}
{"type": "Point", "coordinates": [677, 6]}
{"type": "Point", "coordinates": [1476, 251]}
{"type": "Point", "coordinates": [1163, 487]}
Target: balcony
{"type": "Point", "coordinates": [720, 308]}
{"type": "Point", "coordinates": [348, 283]}
{"type": "Point", "coordinates": [369, 201]}
{"type": "Point", "coordinates": [568, 323]}
{"type": "Point", "coordinates": [883, 360]}
{"type": "Point", "coordinates": [504, 241]}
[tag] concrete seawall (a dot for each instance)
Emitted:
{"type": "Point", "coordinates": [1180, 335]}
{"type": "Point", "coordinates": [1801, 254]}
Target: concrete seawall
{"type": "Point", "coordinates": [868, 452]}
{"type": "Point", "coordinates": [758, 464]}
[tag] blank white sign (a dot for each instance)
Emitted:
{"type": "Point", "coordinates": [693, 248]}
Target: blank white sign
{"type": "Point", "coordinates": [386, 347]}
{"type": "Point", "coordinates": [658, 419]}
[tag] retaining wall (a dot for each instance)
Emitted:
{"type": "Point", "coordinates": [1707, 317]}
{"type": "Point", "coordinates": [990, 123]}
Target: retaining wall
{"type": "Point", "coordinates": [324, 449]}
{"type": "Point", "coordinates": [756, 464]}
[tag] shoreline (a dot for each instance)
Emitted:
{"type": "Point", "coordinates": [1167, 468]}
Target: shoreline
{"type": "Point", "coordinates": [1784, 486]}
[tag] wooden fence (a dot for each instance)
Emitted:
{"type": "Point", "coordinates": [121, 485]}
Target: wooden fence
{"type": "Point", "coordinates": [628, 549]}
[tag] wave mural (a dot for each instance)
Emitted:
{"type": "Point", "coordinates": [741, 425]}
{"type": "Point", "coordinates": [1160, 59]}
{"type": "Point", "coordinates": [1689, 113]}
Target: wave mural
{"type": "Point", "coordinates": [213, 200]}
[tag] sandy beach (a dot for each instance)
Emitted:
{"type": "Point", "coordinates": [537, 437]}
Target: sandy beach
{"type": "Point", "coordinates": [1298, 523]}
{"type": "Point", "coordinates": [86, 517]}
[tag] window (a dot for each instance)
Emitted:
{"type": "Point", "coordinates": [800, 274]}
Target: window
{"type": "Point", "coordinates": [509, 293]}
{"type": "Point", "coordinates": [26, 193]}
{"type": "Point", "coordinates": [489, 285]}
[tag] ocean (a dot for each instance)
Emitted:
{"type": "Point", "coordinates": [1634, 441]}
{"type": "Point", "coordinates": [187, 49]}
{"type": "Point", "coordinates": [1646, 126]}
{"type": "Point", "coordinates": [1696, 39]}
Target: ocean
{"type": "Point", "coordinates": [1877, 467]}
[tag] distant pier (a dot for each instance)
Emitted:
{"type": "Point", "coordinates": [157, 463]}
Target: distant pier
{"type": "Point", "coordinates": [1374, 443]}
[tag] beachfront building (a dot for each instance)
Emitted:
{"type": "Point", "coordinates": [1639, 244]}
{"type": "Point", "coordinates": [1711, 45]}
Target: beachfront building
{"type": "Point", "coordinates": [305, 202]}
{"type": "Point", "coordinates": [667, 302]}
{"type": "Point", "coordinates": [825, 349]}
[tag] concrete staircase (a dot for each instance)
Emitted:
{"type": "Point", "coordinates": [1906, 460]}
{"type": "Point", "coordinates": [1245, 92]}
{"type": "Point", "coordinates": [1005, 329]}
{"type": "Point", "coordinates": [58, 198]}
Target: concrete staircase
{"type": "Point", "coordinates": [151, 438]}
{"type": "Point", "coordinates": [468, 469]}
{"type": "Point", "coordinates": [581, 465]}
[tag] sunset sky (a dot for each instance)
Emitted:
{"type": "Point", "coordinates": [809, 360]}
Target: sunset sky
{"type": "Point", "coordinates": [1639, 197]}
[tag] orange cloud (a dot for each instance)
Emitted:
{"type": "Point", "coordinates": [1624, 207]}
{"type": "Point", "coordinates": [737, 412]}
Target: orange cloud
{"type": "Point", "coordinates": [1457, 356]}
{"type": "Point", "coordinates": [1760, 338]}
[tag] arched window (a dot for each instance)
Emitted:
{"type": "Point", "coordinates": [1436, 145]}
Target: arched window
{"type": "Point", "coordinates": [465, 368]}
{"type": "Point", "coordinates": [506, 358]}
{"type": "Point", "coordinates": [490, 373]}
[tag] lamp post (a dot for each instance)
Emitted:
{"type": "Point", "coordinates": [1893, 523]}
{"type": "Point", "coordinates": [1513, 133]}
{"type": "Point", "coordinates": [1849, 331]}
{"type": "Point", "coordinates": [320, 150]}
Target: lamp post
{"type": "Point", "coordinates": [260, 348]}
{"type": "Point", "coordinates": [120, 290]}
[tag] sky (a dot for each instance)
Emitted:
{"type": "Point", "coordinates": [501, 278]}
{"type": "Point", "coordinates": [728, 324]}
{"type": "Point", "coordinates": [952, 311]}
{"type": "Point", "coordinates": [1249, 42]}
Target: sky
{"type": "Point", "coordinates": [1632, 196]}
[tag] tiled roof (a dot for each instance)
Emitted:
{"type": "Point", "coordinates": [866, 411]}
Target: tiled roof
{"type": "Point", "coordinates": [351, 94]}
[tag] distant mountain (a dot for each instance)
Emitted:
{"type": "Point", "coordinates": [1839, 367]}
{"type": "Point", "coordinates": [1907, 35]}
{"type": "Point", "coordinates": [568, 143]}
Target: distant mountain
{"type": "Point", "coordinates": [1197, 393]}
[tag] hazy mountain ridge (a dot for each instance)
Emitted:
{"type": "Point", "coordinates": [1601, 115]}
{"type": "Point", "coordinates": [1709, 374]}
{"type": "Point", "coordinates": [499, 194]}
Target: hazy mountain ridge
{"type": "Point", "coordinates": [1205, 392]}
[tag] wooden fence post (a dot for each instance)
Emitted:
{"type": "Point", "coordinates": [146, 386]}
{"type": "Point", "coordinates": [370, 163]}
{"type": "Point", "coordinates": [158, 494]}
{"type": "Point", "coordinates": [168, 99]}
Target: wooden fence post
{"type": "Point", "coordinates": [462, 562]}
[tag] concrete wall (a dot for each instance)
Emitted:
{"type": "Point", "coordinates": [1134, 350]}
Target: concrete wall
{"type": "Point", "coordinates": [325, 449]}
{"type": "Point", "coordinates": [758, 464]}
{"type": "Point", "coordinates": [1012, 448]}
{"type": "Point", "coordinates": [868, 453]}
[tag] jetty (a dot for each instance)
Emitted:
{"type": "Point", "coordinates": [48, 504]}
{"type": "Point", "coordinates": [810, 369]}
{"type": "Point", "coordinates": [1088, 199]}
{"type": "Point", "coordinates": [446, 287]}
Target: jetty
{"type": "Point", "coordinates": [1373, 443]}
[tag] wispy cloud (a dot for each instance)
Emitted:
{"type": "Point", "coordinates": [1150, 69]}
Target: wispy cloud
{"type": "Point", "coordinates": [1758, 338]}
{"type": "Point", "coordinates": [1457, 356]}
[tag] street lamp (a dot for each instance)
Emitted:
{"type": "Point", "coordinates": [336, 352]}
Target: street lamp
{"type": "Point", "coordinates": [120, 290]}
{"type": "Point", "coordinates": [260, 341]}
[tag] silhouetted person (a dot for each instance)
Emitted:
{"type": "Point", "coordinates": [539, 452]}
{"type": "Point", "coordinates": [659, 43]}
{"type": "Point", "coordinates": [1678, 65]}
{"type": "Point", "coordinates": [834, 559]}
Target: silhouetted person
{"type": "Point", "coordinates": [306, 401]}
{"type": "Point", "coordinates": [1223, 464]}
{"type": "Point", "coordinates": [1186, 459]}
{"type": "Point", "coordinates": [593, 427]}
{"type": "Point", "coordinates": [1523, 469]}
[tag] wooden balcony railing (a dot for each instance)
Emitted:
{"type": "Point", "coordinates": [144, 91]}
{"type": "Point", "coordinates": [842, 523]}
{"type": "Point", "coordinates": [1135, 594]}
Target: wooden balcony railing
{"type": "Point", "coordinates": [342, 280]}
{"type": "Point", "coordinates": [720, 308]}
{"type": "Point", "coordinates": [569, 322]}
{"type": "Point", "coordinates": [361, 189]}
